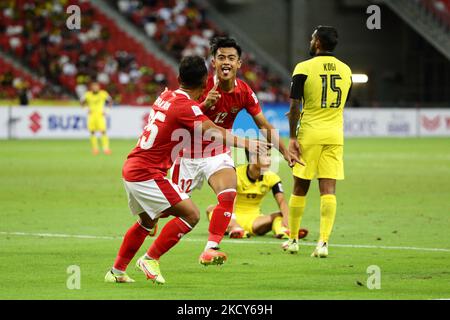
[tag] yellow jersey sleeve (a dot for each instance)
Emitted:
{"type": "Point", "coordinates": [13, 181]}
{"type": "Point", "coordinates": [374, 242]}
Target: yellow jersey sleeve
{"type": "Point", "coordinates": [301, 68]}
{"type": "Point", "coordinates": [272, 178]}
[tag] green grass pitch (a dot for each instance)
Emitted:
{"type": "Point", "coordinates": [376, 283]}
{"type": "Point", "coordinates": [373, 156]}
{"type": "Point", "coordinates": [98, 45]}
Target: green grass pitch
{"type": "Point", "coordinates": [393, 212]}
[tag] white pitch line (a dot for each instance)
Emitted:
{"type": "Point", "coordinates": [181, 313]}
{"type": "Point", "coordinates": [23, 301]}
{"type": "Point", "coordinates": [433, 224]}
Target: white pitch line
{"type": "Point", "coordinates": [243, 241]}
{"type": "Point", "coordinates": [56, 235]}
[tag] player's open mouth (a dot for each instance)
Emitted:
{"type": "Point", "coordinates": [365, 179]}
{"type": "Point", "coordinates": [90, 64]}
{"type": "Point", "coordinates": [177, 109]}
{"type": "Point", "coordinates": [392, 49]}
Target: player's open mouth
{"type": "Point", "coordinates": [226, 71]}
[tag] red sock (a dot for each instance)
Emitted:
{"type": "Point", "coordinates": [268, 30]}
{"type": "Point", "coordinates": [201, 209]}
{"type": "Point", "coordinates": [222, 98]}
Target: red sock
{"type": "Point", "coordinates": [221, 215]}
{"type": "Point", "coordinates": [131, 243]}
{"type": "Point", "coordinates": [169, 236]}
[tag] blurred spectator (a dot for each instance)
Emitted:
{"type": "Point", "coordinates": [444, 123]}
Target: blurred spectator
{"type": "Point", "coordinates": [23, 92]}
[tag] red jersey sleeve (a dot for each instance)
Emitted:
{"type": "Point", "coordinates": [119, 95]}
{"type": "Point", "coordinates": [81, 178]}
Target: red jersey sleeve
{"type": "Point", "coordinates": [189, 116]}
{"type": "Point", "coordinates": [252, 106]}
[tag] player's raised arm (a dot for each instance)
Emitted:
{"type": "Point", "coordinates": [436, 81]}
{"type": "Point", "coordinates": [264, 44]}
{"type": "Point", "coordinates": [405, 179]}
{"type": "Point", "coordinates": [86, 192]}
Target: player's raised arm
{"type": "Point", "coordinates": [272, 136]}
{"type": "Point", "coordinates": [238, 142]}
{"type": "Point", "coordinates": [212, 97]}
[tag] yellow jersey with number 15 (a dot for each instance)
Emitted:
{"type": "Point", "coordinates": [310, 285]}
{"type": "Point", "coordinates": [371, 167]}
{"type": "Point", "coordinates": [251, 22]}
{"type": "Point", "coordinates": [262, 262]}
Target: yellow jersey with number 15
{"type": "Point", "coordinates": [326, 87]}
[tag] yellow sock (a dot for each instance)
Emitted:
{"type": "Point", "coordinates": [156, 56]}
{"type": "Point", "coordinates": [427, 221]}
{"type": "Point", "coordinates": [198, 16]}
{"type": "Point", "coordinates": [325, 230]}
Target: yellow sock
{"type": "Point", "coordinates": [327, 215]}
{"type": "Point", "coordinates": [94, 142]}
{"type": "Point", "coordinates": [105, 142]}
{"type": "Point", "coordinates": [277, 225]}
{"type": "Point", "coordinates": [296, 208]}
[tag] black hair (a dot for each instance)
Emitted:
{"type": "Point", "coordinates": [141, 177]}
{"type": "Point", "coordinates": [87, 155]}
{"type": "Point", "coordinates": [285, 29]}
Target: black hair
{"type": "Point", "coordinates": [328, 37]}
{"type": "Point", "coordinates": [224, 42]}
{"type": "Point", "coordinates": [192, 71]}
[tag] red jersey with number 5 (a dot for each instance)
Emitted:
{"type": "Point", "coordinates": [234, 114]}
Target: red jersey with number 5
{"type": "Point", "coordinates": [163, 136]}
{"type": "Point", "coordinates": [225, 111]}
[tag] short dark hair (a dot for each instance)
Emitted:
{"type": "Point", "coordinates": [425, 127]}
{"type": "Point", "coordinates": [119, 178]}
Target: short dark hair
{"type": "Point", "coordinates": [192, 71]}
{"type": "Point", "coordinates": [224, 42]}
{"type": "Point", "coordinates": [328, 37]}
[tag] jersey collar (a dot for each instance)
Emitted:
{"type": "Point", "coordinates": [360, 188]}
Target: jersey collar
{"type": "Point", "coordinates": [325, 54]}
{"type": "Point", "coordinates": [216, 79]}
{"type": "Point", "coordinates": [179, 91]}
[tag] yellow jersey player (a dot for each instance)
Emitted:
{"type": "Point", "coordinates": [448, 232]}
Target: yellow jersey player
{"type": "Point", "coordinates": [254, 182]}
{"type": "Point", "coordinates": [322, 84]}
{"type": "Point", "coordinates": [95, 101]}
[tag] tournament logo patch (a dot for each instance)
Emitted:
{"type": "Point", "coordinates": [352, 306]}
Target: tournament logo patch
{"type": "Point", "coordinates": [234, 109]}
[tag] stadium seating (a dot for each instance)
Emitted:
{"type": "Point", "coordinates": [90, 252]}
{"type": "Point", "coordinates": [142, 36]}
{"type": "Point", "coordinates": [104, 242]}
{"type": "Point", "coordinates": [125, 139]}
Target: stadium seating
{"type": "Point", "coordinates": [13, 80]}
{"type": "Point", "coordinates": [440, 9]}
{"type": "Point", "coordinates": [72, 58]}
{"type": "Point", "coordinates": [182, 27]}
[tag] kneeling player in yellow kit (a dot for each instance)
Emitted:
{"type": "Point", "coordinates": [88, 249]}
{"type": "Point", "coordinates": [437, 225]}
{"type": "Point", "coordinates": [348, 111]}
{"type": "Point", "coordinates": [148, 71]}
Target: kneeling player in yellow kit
{"type": "Point", "coordinates": [95, 100]}
{"type": "Point", "coordinates": [254, 181]}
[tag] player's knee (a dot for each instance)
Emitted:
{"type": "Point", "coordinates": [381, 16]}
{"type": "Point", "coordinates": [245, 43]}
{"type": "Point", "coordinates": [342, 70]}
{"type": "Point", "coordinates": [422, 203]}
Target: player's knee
{"type": "Point", "coordinates": [327, 186]}
{"type": "Point", "coordinates": [192, 216]}
{"type": "Point", "coordinates": [146, 221]}
{"type": "Point", "coordinates": [301, 187]}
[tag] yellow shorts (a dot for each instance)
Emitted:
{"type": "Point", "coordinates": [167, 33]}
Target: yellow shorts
{"type": "Point", "coordinates": [322, 161]}
{"type": "Point", "coordinates": [96, 123]}
{"type": "Point", "coordinates": [246, 220]}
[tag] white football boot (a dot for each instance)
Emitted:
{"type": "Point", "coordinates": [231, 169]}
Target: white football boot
{"type": "Point", "coordinates": [321, 250]}
{"type": "Point", "coordinates": [290, 246]}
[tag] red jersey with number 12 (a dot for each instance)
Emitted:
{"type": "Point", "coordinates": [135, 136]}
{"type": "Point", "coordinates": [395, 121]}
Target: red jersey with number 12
{"type": "Point", "coordinates": [224, 112]}
{"type": "Point", "coordinates": [153, 155]}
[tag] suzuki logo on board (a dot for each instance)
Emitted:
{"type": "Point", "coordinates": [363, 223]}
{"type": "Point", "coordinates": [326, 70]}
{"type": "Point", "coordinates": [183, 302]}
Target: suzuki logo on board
{"type": "Point", "coordinates": [35, 119]}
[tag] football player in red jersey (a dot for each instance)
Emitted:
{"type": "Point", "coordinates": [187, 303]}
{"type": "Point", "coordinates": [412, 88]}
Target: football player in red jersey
{"type": "Point", "coordinates": [225, 96]}
{"type": "Point", "coordinates": [150, 193]}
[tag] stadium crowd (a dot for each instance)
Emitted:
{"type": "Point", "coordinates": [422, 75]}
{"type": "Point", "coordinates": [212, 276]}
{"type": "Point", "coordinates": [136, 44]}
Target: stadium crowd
{"type": "Point", "coordinates": [440, 9]}
{"type": "Point", "coordinates": [67, 60]}
{"type": "Point", "coordinates": [181, 27]}
{"type": "Point", "coordinates": [36, 33]}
